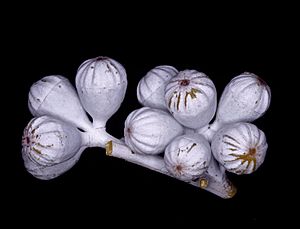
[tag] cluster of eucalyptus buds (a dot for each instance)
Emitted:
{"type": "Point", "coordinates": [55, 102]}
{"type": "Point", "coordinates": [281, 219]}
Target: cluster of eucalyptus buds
{"type": "Point", "coordinates": [170, 134]}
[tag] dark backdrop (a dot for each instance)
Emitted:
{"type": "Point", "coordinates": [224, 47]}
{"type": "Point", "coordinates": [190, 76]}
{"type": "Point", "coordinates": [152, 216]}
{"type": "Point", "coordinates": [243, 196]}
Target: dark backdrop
{"type": "Point", "coordinates": [107, 188]}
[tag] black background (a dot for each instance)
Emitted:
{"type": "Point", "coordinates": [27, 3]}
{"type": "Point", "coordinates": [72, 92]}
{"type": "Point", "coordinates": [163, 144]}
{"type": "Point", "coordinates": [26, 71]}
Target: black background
{"type": "Point", "coordinates": [105, 188]}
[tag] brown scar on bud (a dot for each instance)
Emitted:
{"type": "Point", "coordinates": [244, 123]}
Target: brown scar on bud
{"type": "Point", "coordinates": [194, 144]}
{"type": "Point", "coordinates": [36, 150]}
{"type": "Point", "coordinates": [248, 157]}
{"type": "Point", "coordinates": [192, 93]}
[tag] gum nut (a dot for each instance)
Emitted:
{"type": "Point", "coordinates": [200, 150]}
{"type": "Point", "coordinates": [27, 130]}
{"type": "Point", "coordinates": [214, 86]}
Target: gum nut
{"type": "Point", "coordinates": [55, 96]}
{"type": "Point", "coordinates": [101, 84]}
{"type": "Point", "coordinates": [47, 141]}
{"type": "Point", "coordinates": [191, 98]}
{"type": "Point", "coordinates": [149, 131]}
{"type": "Point", "coordinates": [241, 147]}
{"type": "Point", "coordinates": [187, 156]}
{"type": "Point", "coordinates": [245, 98]}
{"type": "Point", "coordinates": [151, 88]}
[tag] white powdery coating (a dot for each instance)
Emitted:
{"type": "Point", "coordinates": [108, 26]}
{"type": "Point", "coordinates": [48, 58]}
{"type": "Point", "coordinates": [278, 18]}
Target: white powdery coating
{"type": "Point", "coordinates": [191, 98]}
{"type": "Point", "coordinates": [245, 98]}
{"type": "Point", "coordinates": [149, 131]}
{"type": "Point", "coordinates": [187, 156]}
{"type": "Point", "coordinates": [55, 96]}
{"type": "Point", "coordinates": [47, 141]}
{"type": "Point", "coordinates": [151, 88]}
{"type": "Point", "coordinates": [241, 147]}
{"type": "Point", "coordinates": [101, 84]}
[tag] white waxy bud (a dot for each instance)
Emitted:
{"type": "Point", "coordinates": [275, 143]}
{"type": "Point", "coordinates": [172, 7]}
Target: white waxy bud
{"type": "Point", "coordinates": [188, 156]}
{"type": "Point", "coordinates": [55, 96]}
{"type": "Point", "coordinates": [151, 88]}
{"type": "Point", "coordinates": [240, 147]}
{"type": "Point", "coordinates": [101, 84]}
{"type": "Point", "coordinates": [245, 98]}
{"type": "Point", "coordinates": [149, 131]}
{"type": "Point", "coordinates": [48, 142]}
{"type": "Point", "coordinates": [191, 98]}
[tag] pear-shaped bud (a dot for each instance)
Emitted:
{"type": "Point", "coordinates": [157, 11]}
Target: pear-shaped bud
{"type": "Point", "coordinates": [47, 142]}
{"type": "Point", "coordinates": [191, 98]}
{"type": "Point", "coordinates": [151, 88]}
{"type": "Point", "coordinates": [245, 98]}
{"type": "Point", "coordinates": [241, 147]}
{"type": "Point", "coordinates": [149, 131]}
{"type": "Point", "coordinates": [187, 156]}
{"type": "Point", "coordinates": [55, 96]}
{"type": "Point", "coordinates": [101, 84]}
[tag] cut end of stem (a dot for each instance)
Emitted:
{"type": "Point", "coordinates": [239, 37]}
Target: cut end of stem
{"type": "Point", "coordinates": [203, 183]}
{"type": "Point", "coordinates": [109, 148]}
{"type": "Point", "coordinates": [232, 191]}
